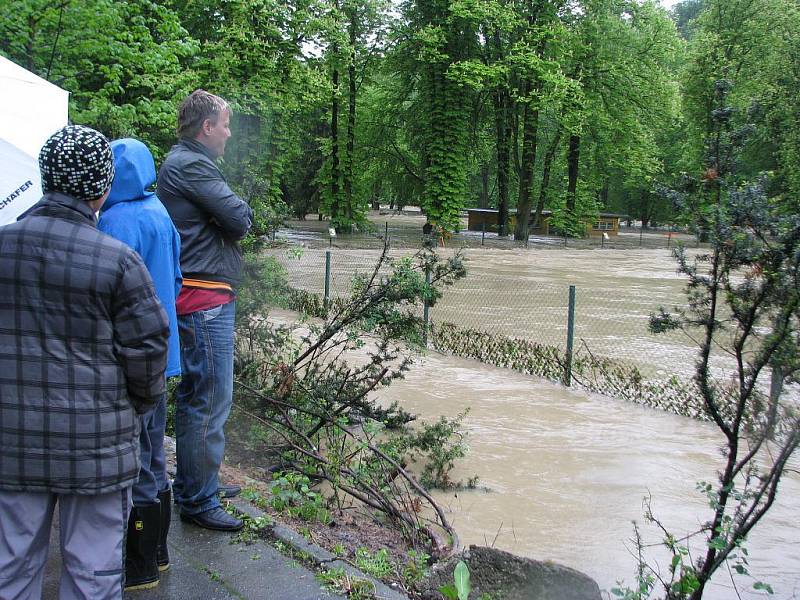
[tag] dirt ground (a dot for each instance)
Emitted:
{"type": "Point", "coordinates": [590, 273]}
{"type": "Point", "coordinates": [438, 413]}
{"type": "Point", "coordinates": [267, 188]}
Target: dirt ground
{"type": "Point", "coordinates": [352, 528]}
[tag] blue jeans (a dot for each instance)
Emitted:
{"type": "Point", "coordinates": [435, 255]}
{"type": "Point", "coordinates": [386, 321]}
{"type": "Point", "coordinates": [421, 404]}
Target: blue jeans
{"type": "Point", "coordinates": [204, 399]}
{"type": "Point", "coordinates": [153, 470]}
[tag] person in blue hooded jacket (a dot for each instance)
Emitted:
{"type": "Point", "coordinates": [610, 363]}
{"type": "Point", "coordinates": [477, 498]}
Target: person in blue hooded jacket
{"type": "Point", "coordinates": [134, 215]}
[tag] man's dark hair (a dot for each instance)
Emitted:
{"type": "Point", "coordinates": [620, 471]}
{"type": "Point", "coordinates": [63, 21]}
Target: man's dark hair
{"type": "Point", "coordinates": [198, 106]}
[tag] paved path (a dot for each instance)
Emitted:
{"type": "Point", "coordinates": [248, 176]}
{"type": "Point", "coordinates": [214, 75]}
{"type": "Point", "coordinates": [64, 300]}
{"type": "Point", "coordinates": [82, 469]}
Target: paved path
{"type": "Point", "coordinates": [206, 566]}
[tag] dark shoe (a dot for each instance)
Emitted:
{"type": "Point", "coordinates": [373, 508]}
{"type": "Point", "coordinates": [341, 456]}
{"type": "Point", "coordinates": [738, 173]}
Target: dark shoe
{"type": "Point", "coordinates": [228, 491]}
{"type": "Point", "coordinates": [141, 547]}
{"type": "Point", "coordinates": [216, 519]}
{"type": "Point", "coordinates": [165, 497]}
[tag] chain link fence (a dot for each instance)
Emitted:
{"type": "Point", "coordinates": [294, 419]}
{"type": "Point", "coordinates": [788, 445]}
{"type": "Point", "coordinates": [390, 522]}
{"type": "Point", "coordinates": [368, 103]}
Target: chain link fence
{"type": "Point", "coordinates": [515, 314]}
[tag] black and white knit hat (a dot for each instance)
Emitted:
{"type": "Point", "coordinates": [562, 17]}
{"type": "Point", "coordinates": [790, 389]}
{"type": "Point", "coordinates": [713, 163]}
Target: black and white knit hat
{"type": "Point", "coordinates": [77, 161]}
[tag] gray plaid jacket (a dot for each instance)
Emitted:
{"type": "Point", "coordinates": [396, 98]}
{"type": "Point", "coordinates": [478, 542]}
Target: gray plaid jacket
{"type": "Point", "coordinates": [83, 348]}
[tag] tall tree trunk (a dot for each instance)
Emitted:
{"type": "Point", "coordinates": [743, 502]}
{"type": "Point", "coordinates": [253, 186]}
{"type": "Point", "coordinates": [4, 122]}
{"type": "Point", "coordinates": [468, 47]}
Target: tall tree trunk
{"type": "Point", "coordinates": [645, 211]}
{"type": "Point", "coordinates": [483, 198]}
{"type": "Point", "coordinates": [502, 134]}
{"type": "Point", "coordinates": [335, 169]}
{"type": "Point", "coordinates": [351, 118]}
{"type": "Point", "coordinates": [513, 118]}
{"type": "Point", "coordinates": [530, 128]}
{"type": "Point", "coordinates": [502, 121]}
{"type": "Point", "coordinates": [573, 156]}
{"type": "Point", "coordinates": [548, 163]}
{"type": "Point", "coordinates": [530, 131]}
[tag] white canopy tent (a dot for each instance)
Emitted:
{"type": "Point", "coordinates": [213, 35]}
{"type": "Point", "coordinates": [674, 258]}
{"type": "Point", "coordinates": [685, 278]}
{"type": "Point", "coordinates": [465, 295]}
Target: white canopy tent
{"type": "Point", "coordinates": [20, 185]}
{"type": "Point", "coordinates": [31, 109]}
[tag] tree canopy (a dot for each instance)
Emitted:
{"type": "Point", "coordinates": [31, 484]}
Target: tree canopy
{"type": "Point", "coordinates": [572, 106]}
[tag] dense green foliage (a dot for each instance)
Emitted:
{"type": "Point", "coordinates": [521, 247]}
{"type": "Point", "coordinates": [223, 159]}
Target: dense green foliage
{"type": "Point", "coordinates": [305, 390]}
{"type": "Point", "coordinates": [688, 116]}
{"type": "Point", "coordinates": [743, 298]}
{"type": "Point", "coordinates": [573, 106]}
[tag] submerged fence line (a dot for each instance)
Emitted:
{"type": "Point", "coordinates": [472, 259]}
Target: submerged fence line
{"type": "Point", "coordinates": [560, 332]}
{"type": "Point", "coordinates": [409, 235]}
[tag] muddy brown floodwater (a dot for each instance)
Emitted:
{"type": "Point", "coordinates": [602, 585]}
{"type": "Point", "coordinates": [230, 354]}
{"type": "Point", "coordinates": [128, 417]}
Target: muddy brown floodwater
{"type": "Point", "coordinates": [567, 472]}
{"type": "Point", "coordinates": [524, 293]}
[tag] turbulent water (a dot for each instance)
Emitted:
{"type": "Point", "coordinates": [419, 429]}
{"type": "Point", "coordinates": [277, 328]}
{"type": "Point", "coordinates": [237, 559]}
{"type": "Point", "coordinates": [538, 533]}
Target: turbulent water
{"type": "Point", "coordinates": [524, 293]}
{"type": "Point", "coordinates": [568, 470]}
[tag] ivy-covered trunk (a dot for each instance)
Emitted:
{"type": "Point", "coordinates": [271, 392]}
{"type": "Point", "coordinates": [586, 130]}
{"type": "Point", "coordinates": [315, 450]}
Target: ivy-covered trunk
{"type": "Point", "coordinates": [448, 104]}
{"type": "Point", "coordinates": [445, 177]}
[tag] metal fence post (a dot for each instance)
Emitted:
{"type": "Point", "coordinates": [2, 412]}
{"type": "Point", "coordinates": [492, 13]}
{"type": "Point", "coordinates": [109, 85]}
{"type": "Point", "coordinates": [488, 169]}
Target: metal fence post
{"type": "Point", "coordinates": [327, 278]}
{"type": "Point", "coordinates": [426, 311]}
{"type": "Point", "coordinates": [483, 231]}
{"type": "Point", "coordinates": [570, 336]}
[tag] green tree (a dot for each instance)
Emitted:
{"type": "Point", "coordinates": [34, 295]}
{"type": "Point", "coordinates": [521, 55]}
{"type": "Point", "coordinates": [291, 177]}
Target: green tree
{"type": "Point", "coordinates": [775, 109]}
{"type": "Point", "coordinates": [390, 163]}
{"type": "Point", "coordinates": [751, 43]}
{"type": "Point", "coordinates": [743, 297]}
{"type": "Point", "coordinates": [540, 28]}
{"type": "Point", "coordinates": [442, 36]}
{"type": "Point", "coordinates": [734, 40]}
{"type": "Point", "coordinates": [354, 36]}
{"type": "Point", "coordinates": [623, 63]}
{"type": "Point", "coordinates": [124, 63]}
{"type": "Point", "coordinates": [684, 14]}
{"type": "Point", "coordinates": [255, 58]}
{"type": "Point", "coordinates": [499, 34]}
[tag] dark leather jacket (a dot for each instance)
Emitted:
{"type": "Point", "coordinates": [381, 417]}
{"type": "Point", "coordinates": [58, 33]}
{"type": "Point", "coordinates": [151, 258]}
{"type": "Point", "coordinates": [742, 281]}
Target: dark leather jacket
{"type": "Point", "coordinates": [208, 215]}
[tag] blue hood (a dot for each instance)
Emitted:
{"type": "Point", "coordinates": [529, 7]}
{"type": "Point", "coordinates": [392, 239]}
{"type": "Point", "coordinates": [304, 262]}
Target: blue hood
{"type": "Point", "coordinates": [137, 218]}
{"type": "Point", "coordinates": [135, 171]}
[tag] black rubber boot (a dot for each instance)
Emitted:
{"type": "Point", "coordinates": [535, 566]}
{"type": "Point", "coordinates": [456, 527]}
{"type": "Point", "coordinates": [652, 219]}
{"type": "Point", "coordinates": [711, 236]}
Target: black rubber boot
{"type": "Point", "coordinates": [141, 568]}
{"type": "Point", "coordinates": [166, 516]}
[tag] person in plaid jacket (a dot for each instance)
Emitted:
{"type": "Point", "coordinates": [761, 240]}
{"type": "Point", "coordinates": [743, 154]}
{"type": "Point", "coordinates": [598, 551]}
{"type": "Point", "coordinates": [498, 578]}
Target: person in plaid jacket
{"type": "Point", "coordinates": [83, 347]}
